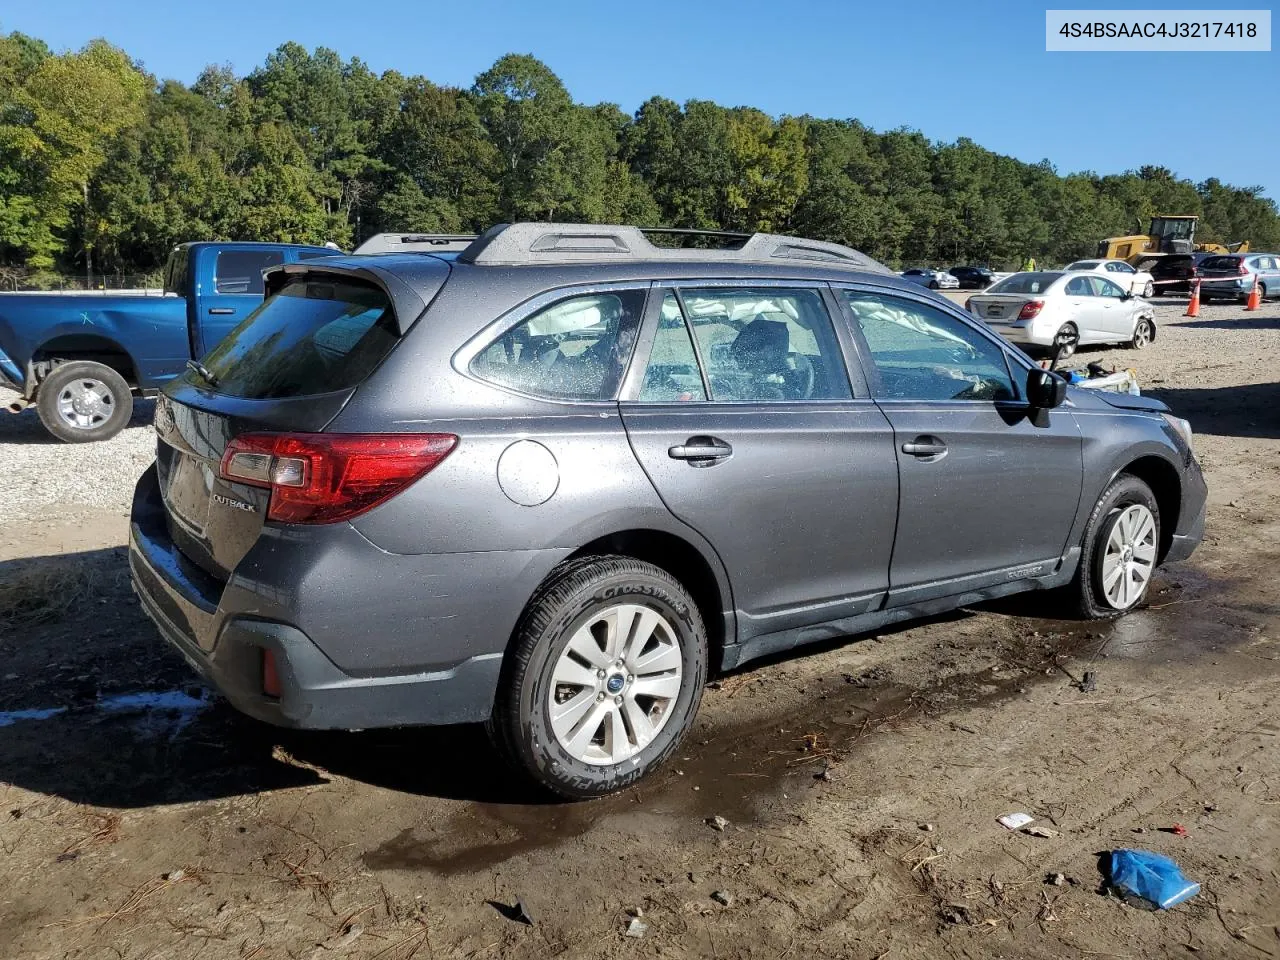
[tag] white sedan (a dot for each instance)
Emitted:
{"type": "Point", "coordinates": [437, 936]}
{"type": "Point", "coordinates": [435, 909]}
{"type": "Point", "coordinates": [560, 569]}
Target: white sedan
{"type": "Point", "coordinates": [1057, 310]}
{"type": "Point", "coordinates": [1138, 282]}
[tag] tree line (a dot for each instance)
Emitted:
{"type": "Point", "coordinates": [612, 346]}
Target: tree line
{"type": "Point", "coordinates": [104, 168]}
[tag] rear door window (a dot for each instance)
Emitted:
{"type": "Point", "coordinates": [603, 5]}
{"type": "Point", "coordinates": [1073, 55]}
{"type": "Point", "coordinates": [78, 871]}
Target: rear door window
{"type": "Point", "coordinates": [574, 349]}
{"type": "Point", "coordinates": [313, 336]}
{"type": "Point", "coordinates": [1078, 287]}
{"type": "Point", "coordinates": [766, 344]}
{"type": "Point", "coordinates": [240, 271]}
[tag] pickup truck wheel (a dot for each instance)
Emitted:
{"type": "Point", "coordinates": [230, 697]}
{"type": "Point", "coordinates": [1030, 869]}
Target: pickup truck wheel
{"type": "Point", "coordinates": [603, 679]}
{"type": "Point", "coordinates": [82, 401]}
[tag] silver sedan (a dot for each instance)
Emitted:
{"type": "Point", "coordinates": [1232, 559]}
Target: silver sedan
{"type": "Point", "coordinates": [931, 278]}
{"type": "Point", "coordinates": [1055, 309]}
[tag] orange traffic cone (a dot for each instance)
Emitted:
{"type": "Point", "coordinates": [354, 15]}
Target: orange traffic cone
{"type": "Point", "coordinates": [1193, 308]}
{"type": "Point", "coordinates": [1255, 295]}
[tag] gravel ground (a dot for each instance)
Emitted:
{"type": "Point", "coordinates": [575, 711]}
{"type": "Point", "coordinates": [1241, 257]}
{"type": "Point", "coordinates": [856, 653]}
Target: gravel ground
{"type": "Point", "coordinates": [49, 480]}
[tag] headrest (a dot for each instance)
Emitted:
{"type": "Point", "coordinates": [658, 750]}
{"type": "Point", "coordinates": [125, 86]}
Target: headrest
{"type": "Point", "coordinates": [761, 340]}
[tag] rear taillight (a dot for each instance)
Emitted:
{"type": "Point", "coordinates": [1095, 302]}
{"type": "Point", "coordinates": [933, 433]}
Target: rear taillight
{"type": "Point", "coordinates": [968, 304]}
{"type": "Point", "coordinates": [1031, 309]}
{"type": "Point", "coordinates": [1243, 268]}
{"type": "Point", "coordinates": [326, 477]}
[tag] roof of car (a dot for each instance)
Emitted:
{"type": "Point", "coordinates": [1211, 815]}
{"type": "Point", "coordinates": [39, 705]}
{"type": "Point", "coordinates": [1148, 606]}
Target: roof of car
{"type": "Point", "coordinates": [528, 244]}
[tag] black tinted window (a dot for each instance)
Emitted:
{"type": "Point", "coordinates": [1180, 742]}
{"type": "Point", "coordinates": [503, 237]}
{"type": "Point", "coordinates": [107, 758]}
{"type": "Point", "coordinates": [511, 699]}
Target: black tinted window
{"type": "Point", "coordinates": [311, 337]}
{"type": "Point", "coordinates": [1025, 283]}
{"type": "Point", "coordinates": [575, 349]}
{"type": "Point", "coordinates": [240, 271]}
{"type": "Point", "coordinates": [1221, 263]}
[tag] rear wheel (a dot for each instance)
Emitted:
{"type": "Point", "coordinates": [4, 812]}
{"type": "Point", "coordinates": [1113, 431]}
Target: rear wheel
{"type": "Point", "coordinates": [1143, 333]}
{"type": "Point", "coordinates": [1119, 552]}
{"type": "Point", "coordinates": [1066, 340]}
{"type": "Point", "coordinates": [604, 678]}
{"type": "Point", "coordinates": [82, 401]}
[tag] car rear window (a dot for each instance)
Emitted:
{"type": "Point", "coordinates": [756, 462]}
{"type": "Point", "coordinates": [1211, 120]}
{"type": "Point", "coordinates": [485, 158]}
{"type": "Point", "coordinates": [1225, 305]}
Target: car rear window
{"type": "Point", "coordinates": [313, 336]}
{"type": "Point", "coordinates": [1025, 283]}
{"type": "Point", "coordinates": [1220, 263]}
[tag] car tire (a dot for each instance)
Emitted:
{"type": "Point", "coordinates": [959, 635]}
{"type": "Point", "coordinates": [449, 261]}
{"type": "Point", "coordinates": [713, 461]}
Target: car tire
{"type": "Point", "coordinates": [1068, 331]}
{"type": "Point", "coordinates": [1149, 290]}
{"type": "Point", "coordinates": [1144, 331]}
{"type": "Point", "coordinates": [933, 284]}
{"type": "Point", "coordinates": [566, 653]}
{"type": "Point", "coordinates": [1095, 593]}
{"type": "Point", "coordinates": [81, 401]}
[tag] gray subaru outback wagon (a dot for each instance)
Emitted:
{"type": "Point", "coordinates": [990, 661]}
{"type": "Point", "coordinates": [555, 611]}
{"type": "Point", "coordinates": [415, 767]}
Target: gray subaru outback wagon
{"type": "Point", "coordinates": [552, 481]}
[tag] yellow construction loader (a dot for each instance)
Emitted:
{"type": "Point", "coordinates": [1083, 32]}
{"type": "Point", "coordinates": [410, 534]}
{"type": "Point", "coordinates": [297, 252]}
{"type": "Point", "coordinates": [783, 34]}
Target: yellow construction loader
{"type": "Point", "coordinates": [1168, 234]}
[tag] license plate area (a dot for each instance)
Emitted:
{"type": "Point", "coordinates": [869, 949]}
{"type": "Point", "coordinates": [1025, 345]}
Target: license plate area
{"type": "Point", "coordinates": [188, 491]}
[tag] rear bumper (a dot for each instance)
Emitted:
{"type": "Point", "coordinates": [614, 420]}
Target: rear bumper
{"type": "Point", "coordinates": [353, 647]}
{"type": "Point", "coordinates": [1225, 287]}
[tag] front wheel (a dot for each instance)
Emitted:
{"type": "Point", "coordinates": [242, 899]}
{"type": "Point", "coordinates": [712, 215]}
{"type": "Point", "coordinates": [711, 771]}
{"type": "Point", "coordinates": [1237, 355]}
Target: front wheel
{"type": "Point", "coordinates": [1119, 553]}
{"type": "Point", "coordinates": [81, 401]}
{"type": "Point", "coordinates": [1148, 290]}
{"type": "Point", "coordinates": [1143, 333]}
{"type": "Point", "coordinates": [604, 677]}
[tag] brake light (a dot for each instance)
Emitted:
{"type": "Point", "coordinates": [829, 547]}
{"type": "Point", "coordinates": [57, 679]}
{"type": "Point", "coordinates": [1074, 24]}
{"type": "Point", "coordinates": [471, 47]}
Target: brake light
{"type": "Point", "coordinates": [1031, 309]}
{"type": "Point", "coordinates": [1243, 268]}
{"type": "Point", "coordinates": [968, 301]}
{"type": "Point", "coordinates": [327, 477]}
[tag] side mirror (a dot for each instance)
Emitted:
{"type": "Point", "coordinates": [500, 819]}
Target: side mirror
{"type": "Point", "coordinates": [1126, 295]}
{"type": "Point", "coordinates": [1045, 389]}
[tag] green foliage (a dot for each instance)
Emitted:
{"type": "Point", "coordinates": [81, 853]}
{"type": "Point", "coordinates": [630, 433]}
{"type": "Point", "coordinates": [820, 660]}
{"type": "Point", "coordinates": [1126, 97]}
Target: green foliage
{"type": "Point", "coordinates": [102, 166]}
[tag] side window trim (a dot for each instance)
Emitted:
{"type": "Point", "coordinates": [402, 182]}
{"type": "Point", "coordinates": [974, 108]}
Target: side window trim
{"type": "Point", "coordinates": [1017, 364]}
{"type": "Point", "coordinates": [693, 339]}
{"type": "Point", "coordinates": [464, 356]}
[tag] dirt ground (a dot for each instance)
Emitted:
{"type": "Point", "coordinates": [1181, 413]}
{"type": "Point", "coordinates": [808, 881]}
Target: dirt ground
{"type": "Point", "coordinates": [861, 781]}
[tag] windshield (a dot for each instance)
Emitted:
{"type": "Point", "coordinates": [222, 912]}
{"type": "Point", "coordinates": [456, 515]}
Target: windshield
{"type": "Point", "coordinates": [312, 337]}
{"type": "Point", "coordinates": [1026, 283]}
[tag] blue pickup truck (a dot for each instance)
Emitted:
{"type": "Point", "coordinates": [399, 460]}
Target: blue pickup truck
{"type": "Point", "coordinates": [82, 358]}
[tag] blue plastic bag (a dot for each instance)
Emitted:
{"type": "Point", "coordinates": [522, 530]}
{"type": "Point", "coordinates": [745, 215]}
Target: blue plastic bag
{"type": "Point", "coordinates": [1150, 876]}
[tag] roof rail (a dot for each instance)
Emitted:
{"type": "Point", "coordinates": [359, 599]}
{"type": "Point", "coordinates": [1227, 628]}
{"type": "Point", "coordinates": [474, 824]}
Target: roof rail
{"type": "Point", "coordinates": [415, 243]}
{"type": "Point", "coordinates": [510, 244]}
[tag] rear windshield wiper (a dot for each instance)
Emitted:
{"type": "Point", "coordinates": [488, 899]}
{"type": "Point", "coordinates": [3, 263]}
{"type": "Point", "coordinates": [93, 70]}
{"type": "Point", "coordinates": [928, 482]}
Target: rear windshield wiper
{"type": "Point", "coordinates": [205, 373]}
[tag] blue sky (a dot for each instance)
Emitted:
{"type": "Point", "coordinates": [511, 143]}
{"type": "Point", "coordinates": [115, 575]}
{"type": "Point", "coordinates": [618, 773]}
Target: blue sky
{"type": "Point", "coordinates": [946, 69]}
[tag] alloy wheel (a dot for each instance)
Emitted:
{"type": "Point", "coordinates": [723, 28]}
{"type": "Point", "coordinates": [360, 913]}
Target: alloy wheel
{"type": "Point", "coordinates": [85, 403]}
{"type": "Point", "coordinates": [615, 684]}
{"type": "Point", "coordinates": [1130, 557]}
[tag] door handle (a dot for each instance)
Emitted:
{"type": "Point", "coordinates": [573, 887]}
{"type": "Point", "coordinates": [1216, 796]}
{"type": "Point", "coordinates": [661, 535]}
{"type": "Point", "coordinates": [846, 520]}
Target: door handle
{"type": "Point", "coordinates": [701, 451]}
{"type": "Point", "coordinates": [222, 311]}
{"type": "Point", "coordinates": [925, 447]}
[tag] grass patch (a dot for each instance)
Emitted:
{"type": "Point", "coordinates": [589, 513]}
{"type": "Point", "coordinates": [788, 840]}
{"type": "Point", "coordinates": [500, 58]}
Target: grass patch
{"type": "Point", "coordinates": [45, 591]}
